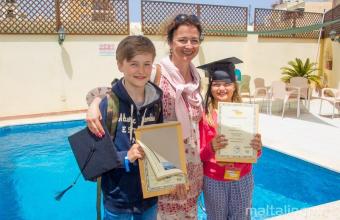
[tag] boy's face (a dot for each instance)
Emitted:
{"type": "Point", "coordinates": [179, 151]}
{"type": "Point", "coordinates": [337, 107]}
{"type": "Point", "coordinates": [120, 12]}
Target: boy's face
{"type": "Point", "coordinates": [137, 71]}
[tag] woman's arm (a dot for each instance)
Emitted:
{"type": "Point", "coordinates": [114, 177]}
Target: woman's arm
{"type": "Point", "coordinates": [93, 115]}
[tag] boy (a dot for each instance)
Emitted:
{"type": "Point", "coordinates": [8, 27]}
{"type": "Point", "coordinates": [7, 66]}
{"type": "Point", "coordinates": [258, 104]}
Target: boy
{"type": "Point", "coordinates": [139, 104]}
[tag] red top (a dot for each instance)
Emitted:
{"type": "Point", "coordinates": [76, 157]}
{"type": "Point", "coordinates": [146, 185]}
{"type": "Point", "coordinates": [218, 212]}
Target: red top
{"type": "Point", "coordinates": [211, 168]}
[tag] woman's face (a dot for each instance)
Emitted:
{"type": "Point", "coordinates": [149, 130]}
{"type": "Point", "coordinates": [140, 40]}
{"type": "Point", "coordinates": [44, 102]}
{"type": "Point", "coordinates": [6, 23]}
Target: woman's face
{"type": "Point", "coordinates": [222, 91]}
{"type": "Point", "coordinates": [185, 43]}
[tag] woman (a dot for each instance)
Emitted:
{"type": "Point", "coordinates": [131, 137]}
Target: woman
{"type": "Point", "coordinates": [227, 187]}
{"type": "Point", "coordinates": [180, 82]}
{"type": "Point", "coordinates": [182, 101]}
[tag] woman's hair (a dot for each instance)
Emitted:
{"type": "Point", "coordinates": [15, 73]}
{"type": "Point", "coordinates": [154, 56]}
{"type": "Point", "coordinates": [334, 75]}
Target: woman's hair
{"type": "Point", "coordinates": [209, 101]}
{"type": "Point", "coordinates": [183, 19]}
{"type": "Point", "coordinates": [132, 46]}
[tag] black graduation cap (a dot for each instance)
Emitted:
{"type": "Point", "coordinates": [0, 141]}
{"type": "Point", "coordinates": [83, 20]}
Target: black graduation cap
{"type": "Point", "coordinates": [94, 155]}
{"type": "Point", "coordinates": [221, 69]}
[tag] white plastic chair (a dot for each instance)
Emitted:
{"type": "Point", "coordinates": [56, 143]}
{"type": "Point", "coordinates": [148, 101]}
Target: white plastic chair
{"type": "Point", "coordinates": [331, 95]}
{"type": "Point", "coordinates": [260, 89]}
{"type": "Point", "coordinates": [302, 84]}
{"type": "Point", "coordinates": [278, 92]}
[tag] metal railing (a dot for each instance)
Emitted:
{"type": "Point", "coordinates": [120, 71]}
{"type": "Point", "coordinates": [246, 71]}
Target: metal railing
{"type": "Point", "coordinates": [216, 20]}
{"type": "Point", "coordinates": [77, 17]}
{"type": "Point", "coordinates": [267, 20]}
{"type": "Point", "coordinates": [111, 17]}
{"type": "Point", "coordinates": [332, 15]}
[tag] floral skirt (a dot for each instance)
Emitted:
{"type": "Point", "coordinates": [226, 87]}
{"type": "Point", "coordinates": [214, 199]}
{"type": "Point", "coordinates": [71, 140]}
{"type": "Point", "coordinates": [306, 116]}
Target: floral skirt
{"type": "Point", "coordinates": [172, 208]}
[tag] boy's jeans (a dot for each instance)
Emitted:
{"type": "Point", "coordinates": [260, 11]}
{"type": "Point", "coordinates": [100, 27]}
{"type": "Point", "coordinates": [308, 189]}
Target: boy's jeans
{"type": "Point", "coordinates": [149, 214]}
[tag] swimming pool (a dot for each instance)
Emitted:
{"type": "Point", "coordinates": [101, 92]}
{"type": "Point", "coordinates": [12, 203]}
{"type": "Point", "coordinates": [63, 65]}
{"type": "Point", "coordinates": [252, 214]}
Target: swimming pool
{"type": "Point", "coordinates": [36, 162]}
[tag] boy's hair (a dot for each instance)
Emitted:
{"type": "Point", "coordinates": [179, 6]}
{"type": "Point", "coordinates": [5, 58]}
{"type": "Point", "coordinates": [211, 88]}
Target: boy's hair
{"type": "Point", "coordinates": [132, 46]}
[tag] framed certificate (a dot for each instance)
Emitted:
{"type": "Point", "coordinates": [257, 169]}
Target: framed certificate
{"type": "Point", "coordinates": [164, 164]}
{"type": "Point", "coordinates": [239, 123]}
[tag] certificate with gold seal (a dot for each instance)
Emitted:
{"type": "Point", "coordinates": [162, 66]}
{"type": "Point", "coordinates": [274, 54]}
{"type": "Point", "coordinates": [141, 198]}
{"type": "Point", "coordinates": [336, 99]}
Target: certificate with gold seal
{"type": "Point", "coordinates": [239, 123]}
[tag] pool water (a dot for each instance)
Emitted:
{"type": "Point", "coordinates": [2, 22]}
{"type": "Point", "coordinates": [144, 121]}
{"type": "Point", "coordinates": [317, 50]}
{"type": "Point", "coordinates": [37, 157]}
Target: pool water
{"type": "Point", "coordinates": [36, 162]}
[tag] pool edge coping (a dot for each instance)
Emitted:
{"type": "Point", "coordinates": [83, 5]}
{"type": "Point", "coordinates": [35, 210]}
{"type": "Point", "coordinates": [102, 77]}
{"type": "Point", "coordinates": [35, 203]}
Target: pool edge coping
{"type": "Point", "coordinates": [302, 157]}
{"type": "Point", "coordinates": [46, 118]}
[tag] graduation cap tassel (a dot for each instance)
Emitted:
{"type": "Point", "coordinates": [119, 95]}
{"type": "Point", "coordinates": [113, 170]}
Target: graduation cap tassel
{"type": "Point", "coordinates": [61, 193]}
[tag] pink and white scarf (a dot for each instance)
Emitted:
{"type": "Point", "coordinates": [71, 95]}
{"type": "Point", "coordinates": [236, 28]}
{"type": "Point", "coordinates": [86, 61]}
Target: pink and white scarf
{"type": "Point", "coordinates": [189, 92]}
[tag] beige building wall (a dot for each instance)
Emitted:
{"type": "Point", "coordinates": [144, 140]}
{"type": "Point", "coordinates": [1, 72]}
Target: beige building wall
{"type": "Point", "coordinates": [326, 60]}
{"type": "Point", "coordinates": [39, 76]}
{"type": "Point", "coordinates": [335, 75]}
{"type": "Point", "coordinates": [330, 52]}
{"type": "Point", "coordinates": [318, 7]}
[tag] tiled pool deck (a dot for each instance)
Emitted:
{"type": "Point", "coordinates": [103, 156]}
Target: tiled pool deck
{"type": "Point", "coordinates": [311, 137]}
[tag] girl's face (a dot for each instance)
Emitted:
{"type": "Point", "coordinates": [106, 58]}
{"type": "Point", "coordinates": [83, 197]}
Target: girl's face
{"type": "Point", "coordinates": [185, 43]}
{"type": "Point", "coordinates": [222, 91]}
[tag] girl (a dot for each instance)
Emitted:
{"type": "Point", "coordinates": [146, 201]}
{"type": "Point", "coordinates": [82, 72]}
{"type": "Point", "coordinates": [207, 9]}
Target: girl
{"type": "Point", "coordinates": [225, 197]}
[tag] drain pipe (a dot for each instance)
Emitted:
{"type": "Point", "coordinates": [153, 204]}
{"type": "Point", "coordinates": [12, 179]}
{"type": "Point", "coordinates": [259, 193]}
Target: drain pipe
{"type": "Point", "coordinates": [319, 39]}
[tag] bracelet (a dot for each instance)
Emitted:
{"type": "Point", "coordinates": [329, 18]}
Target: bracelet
{"type": "Point", "coordinates": [126, 164]}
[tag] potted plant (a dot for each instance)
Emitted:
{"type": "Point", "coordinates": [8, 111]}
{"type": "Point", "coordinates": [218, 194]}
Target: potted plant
{"type": "Point", "coordinates": [298, 68]}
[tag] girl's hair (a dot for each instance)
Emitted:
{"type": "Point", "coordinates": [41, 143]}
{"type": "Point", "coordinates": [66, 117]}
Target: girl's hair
{"type": "Point", "coordinates": [209, 101]}
{"type": "Point", "coordinates": [134, 45]}
{"type": "Point", "coordinates": [183, 19]}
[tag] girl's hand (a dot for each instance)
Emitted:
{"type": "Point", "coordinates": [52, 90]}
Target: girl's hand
{"type": "Point", "coordinates": [135, 152]}
{"type": "Point", "coordinates": [93, 118]}
{"type": "Point", "coordinates": [256, 142]}
{"type": "Point", "coordinates": [219, 142]}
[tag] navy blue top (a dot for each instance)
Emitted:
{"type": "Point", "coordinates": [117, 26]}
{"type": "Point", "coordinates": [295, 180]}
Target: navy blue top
{"type": "Point", "coordinates": [121, 189]}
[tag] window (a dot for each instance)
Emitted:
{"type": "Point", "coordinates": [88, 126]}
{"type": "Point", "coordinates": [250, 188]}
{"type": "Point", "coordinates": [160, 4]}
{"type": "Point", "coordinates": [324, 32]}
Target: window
{"type": "Point", "coordinates": [10, 13]}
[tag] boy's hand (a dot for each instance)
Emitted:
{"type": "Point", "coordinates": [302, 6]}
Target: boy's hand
{"type": "Point", "coordinates": [256, 142]}
{"type": "Point", "coordinates": [93, 118]}
{"type": "Point", "coordinates": [135, 152]}
{"type": "Point", "coordinates": [219, 142]}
